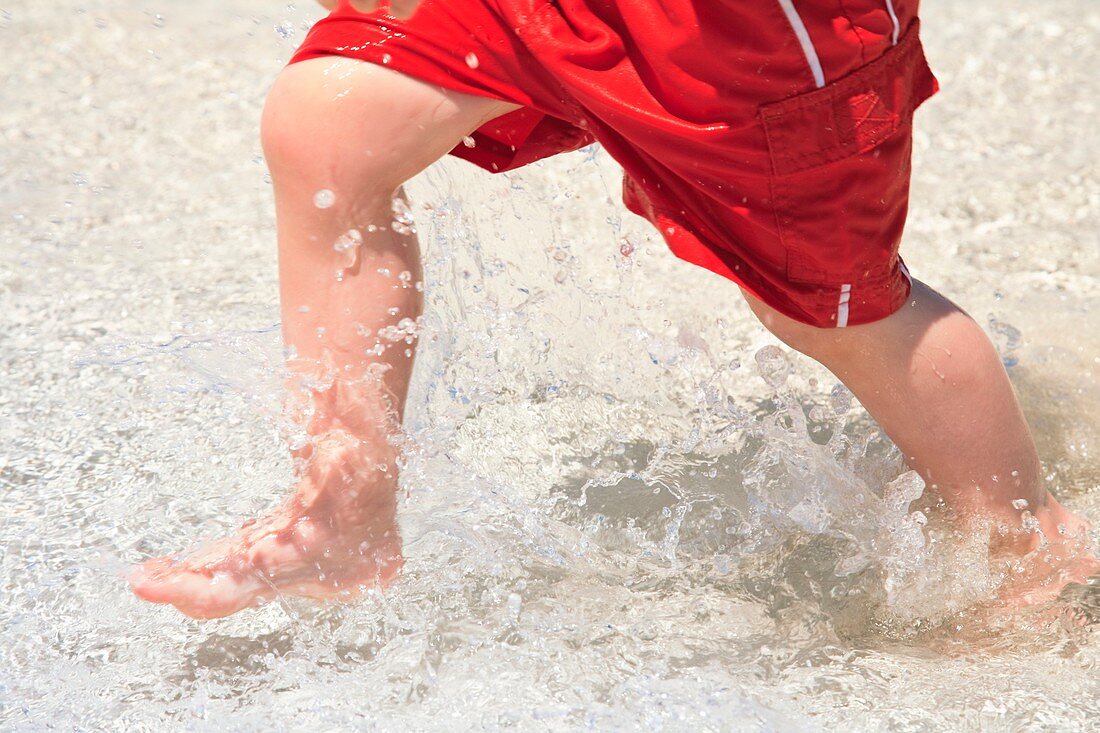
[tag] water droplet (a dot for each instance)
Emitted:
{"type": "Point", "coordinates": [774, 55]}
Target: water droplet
{"type": "Point", "coordinates": [403, 222]}
{"type": "Point", "coordinates": [626, 248]}
{"type": "Point", "coordinates": [471, 60]}
{"type": "Point", "coordinates": [904, 490]}
{"type": "Point", "coordinates": [285, 29]}
{"type": "Point", "coordinates": [515, 603]}
{"type": "Point", "coordinates": [347, 246]}
{"type": "Point", "coordinates": [1019, 504]}
{"type": "Point", "coordinates": [348, 241]}
{"type": "Point", "coordinates": [773, 366]}
{"type": "Point", "coordinates": [840, 398]}
{"type": "Point", "coordinates": [1006, 338]}
{"type": "Point", "coordinates": [405, 330]}
{"type": "Point", "coordinates": [469, 141]}
{"type": "Point", "coordinates": [386, 58]}
{"type": "Point", "coordinates": [324, 198]}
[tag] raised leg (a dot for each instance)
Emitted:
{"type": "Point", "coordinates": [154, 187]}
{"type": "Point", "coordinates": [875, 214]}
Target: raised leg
{"type": "Point", "coordinates": [340, 137]}
{"type": "Point", "coordinates": [932, 380]}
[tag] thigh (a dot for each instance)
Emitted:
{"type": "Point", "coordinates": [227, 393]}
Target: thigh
{"type": "Point", "coordinates": [363, 126]}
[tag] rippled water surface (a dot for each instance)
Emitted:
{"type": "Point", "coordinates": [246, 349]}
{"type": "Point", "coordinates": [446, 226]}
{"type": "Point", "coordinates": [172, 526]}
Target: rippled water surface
{"type": "Point", "coordinates": [626, 508]}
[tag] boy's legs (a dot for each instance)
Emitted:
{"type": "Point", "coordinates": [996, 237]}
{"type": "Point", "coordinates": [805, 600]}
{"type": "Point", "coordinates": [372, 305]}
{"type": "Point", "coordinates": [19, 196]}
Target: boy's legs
{"type": "Point", "coordinates": [340, 137]}
{"type": "Point", "coordinates": [926, 373]}
{"type": "Point", "coordinates": [930, 377]}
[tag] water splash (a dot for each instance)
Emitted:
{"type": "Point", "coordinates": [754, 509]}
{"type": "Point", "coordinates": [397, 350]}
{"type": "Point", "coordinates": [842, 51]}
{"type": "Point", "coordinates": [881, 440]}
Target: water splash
{"type": "Point", "coordinates": [403, 221]}
{"type": "Point", "coordinates": [1006, 338]}
{"type": "Point", "coordinates": [285, 29]}
{"type": "Point", "coordinates": [690, 544]}
{"type": "Point", "coordinates": [347, 246]}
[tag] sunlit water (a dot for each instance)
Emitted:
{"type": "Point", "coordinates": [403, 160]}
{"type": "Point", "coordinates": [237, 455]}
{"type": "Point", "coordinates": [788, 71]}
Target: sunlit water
{"type": "Point", "coordinates": [624, 507]}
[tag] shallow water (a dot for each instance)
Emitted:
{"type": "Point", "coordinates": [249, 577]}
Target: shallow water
{"type": "Point", "coordinates": [626, 507]}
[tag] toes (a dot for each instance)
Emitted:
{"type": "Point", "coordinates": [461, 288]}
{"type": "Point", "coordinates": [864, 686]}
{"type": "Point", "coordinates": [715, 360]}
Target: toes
{"type": "Point", "coordinates": [152, 580]}
{"type": "Point", "coordinates": [195, 594]}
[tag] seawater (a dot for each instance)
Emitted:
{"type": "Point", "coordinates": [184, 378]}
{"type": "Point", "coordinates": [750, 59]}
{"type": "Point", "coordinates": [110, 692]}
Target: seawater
{"type": "Point", "coordinates": [624, 506]}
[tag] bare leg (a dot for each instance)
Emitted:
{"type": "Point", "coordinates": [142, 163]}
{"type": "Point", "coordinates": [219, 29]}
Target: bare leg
{"type": "Point", "coordinates": [340, 137]}
{"type": "Point", "coordinates": [933, 381]}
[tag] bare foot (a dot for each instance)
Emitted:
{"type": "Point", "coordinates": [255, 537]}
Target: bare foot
{"type": "Point", "coordinates": [335, 537]}
{"type": "Point", "coordinates": [1054, 551]}
{"type": "Point", "coordinates": [1044, 578]}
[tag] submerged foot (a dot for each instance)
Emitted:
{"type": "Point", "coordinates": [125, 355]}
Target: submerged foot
{"type": "Point", "coordinates": [1040, 580]}
{"type": "Point", "coordinates": [1061, 555]}
{"type": "Point", "coordinates": [334, 538]}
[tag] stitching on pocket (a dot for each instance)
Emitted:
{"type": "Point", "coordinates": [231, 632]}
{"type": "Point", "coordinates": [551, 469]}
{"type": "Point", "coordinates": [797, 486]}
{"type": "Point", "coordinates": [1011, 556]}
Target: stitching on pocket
{"type": "Point", "coordinates": [853, 238]}
{"type": "Point", "coordinates": [870, 110]}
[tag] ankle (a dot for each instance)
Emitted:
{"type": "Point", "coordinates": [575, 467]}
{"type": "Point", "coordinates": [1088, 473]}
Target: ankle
{"type": "Point", "coordinates": [362, 408]}
{"type": "Point", "coordinates": [1029, 529]}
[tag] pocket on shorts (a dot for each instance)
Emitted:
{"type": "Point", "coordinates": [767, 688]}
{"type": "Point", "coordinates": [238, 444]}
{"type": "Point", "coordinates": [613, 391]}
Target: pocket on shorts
{"type": "Point", "coordinates": [840, 160]}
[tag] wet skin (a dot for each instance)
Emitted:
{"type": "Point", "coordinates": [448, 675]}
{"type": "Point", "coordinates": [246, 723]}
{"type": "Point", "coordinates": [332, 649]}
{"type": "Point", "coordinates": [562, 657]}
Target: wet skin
{"type": "Point", "coordinates": [927, 374]}
{"type": "Point", "coordinates": [334, 538]}
{"type": "Point", "coordinates": [336, 534]}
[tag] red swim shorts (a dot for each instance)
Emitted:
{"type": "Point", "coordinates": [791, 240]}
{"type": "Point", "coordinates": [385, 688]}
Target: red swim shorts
{"type": "Point", "coordinates": [767, 140]}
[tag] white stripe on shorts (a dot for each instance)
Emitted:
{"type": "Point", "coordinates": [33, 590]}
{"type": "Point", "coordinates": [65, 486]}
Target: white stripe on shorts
{"type": "Point", "coordinates": [804, 40]}
{"type": "Point", "coordinates": [894, 18]}
{"type": "Point", "coordinates": [842, 305]}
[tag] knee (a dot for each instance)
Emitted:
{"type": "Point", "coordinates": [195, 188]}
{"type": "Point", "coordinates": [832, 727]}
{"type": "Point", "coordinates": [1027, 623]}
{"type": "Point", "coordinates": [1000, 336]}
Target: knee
{"type": "Point", "coordinates": [286, 127]}
{"type": "Point", "coordinates": [309, 139]}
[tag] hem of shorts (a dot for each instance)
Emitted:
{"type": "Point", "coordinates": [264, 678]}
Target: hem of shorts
{"type": "Point", "coordinates": [694, 250]}
{"type": "Point", "coordinates": [889, 294]}
{"type": "Point", "coordinates": [439, 79]}
{"type": "Point", "coordinates": [686, 245]}
{"type": "Point", "coordinates": [436, 74]}
{"type": "Point", "coordinates": [819, 310]}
